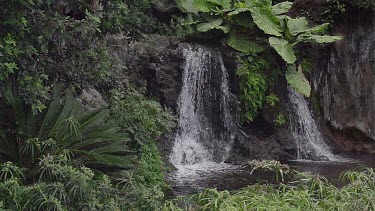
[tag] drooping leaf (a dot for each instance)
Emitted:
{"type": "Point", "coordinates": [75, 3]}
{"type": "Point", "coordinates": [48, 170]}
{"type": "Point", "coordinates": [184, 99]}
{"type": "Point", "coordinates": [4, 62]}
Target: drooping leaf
{"type": "Point", "coordinates": [225, 29]}
{"type": "Point", "coordinates": [284, 49]}
{"type": "Point", "coordinates": [281, 8]}
{"type": "Point", "coordinates": [213, 22]}
{"type": "Point", "coordinates": [298, 81]}
{"type": "Point", "coordinates": [244, 19]}
{"type": "Point", "coordinates": [266, 21]}
{"type": "Point", "coordinates": [319, 38]}
{"type": "Point", "coordinates": [297, 25]}
{"type": "Point", "coordinates": [317, 29]}
{"type": "Point", "coordinates": [92, 118]}
{"type": "Point", "coordinates": [238, 11]}
{"type": "Point", "coordinates": [243, 44]}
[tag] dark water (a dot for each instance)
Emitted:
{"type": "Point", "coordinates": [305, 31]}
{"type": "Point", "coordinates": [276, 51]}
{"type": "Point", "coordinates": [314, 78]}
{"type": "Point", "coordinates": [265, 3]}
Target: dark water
{"type": "Point", "coordinates": [195, 178]}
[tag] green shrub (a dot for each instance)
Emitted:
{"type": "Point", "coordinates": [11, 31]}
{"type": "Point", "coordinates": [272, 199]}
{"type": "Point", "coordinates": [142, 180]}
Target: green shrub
{"type": "Point", "coordinates": [57, 185]}
{"type": "Point", "coordinates": [147, 183]}
{"type": "Point", "coordinates": [145, 120]}
{"type": "Point", "coordinates": [253, 86]}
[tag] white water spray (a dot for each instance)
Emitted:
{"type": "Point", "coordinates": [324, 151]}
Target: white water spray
{"type": "Point", "coordinates": [309, 140]}
{"type": "Point", "coordinates": [204, 125]}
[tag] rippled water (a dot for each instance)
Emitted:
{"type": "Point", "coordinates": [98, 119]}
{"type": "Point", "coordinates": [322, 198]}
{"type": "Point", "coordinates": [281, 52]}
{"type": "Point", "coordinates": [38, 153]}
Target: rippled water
{"type": "Point", "coordinates": [194, 178]}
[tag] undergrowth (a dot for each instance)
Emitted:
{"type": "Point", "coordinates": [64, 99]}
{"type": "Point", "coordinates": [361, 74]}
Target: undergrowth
{"type": "Point", "coordinates": [303, 192]}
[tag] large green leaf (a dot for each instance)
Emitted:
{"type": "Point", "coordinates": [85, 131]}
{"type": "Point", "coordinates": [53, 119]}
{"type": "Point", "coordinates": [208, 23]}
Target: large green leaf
{"type": "Point", "coordinates": [319, 38]}
{"type": "Point", "coordinates": [284, 49]}
{"type": "Point", "coordinates": [243, 44]}
{"type": "Point", "coordinates": [244, 19]}
{"type": "Point", "coordinates": [186, 6]}
{"type": "Point", "coordinates": [281, 8]}
{"type": "Point", "coordinates": [213, 23]}
{"type": "Point", "coordinates": [266, 21]}
{"type": "Point", "coordinates": [297, 25]}
{"type": "Point", "coordinates": [298, 81]}
{"type": "Point", "coordinates": [202, 5]}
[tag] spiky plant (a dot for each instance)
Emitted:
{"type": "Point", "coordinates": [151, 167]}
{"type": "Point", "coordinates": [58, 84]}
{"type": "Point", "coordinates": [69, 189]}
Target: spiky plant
{"type": "Point", "coordinates": [63, 126]}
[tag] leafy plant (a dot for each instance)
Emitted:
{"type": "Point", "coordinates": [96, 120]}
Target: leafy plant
{"type": "Point", "coordinates": [275, 166]}
{"type": "Point", "coordinates": [57, 185]}
{"type": "Point", "coordinates": [253, 86]}
{"type": "Point", "coordinates": [145, 120]}
{"type": "Point", "coordinates": [272, 100]}
{"type": "Point", "coordinates": [298, 81]}
{"type": "Point", "coordinates": [280, 120]}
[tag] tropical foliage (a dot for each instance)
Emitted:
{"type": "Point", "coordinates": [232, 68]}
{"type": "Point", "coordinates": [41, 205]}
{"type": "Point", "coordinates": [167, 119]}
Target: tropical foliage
{"type": "Point", "coordinates": [234, 17]}
{"type": "Point", "coordinates": [62, 127]}
{"type": "Point", "coordinates": [55, 155]}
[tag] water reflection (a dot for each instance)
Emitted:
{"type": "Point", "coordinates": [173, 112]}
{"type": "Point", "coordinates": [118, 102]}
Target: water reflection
{"type": "Point", "coordinates": [194, 178]}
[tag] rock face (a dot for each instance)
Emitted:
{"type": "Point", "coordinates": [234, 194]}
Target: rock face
{"type": "Point", "coordinates": [262, 139]}
{"type": "Point", "coordinates": [163, 67]}
{"type": "Point", "coordinates": [161, 60]}
{"type": "Point", "coordinates": [344, 82]}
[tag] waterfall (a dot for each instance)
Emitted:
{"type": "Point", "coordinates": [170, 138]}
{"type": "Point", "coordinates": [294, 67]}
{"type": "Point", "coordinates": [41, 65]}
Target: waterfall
{"type": "Point", "coordinates": [205, 122]}
{"type": "Point", "coordinates": [309, 140]}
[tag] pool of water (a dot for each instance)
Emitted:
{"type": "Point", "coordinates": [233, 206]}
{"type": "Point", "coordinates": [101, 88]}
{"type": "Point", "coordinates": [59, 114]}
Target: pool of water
{"type": "Point", "coordinates": [193, 178]}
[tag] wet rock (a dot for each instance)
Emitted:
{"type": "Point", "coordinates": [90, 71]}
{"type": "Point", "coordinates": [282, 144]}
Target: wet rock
{"type": "Point", "coordinates": [344, 80]}
{"type": "Point", "coordinates": [262, 139]}
{"type": "Point", "coordinates": [161, 63]}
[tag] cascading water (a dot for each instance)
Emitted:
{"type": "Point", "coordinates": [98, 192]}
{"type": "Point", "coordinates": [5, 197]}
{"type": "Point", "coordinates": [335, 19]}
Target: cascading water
{"type": "Point", "coordinates": [205, 122]}
{"type": "Point", "coordinates": [309, 140]}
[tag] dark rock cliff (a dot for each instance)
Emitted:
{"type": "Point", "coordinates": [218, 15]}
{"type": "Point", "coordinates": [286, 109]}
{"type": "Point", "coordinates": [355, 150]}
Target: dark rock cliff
{"type": "Point", "coordinates": [343, 79]}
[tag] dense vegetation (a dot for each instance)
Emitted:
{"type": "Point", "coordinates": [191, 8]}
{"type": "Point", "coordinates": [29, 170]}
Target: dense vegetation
{"type": "Point", "coordinates": [54, 153]}
{"type": "Point", "coordinates": [57, 154]}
